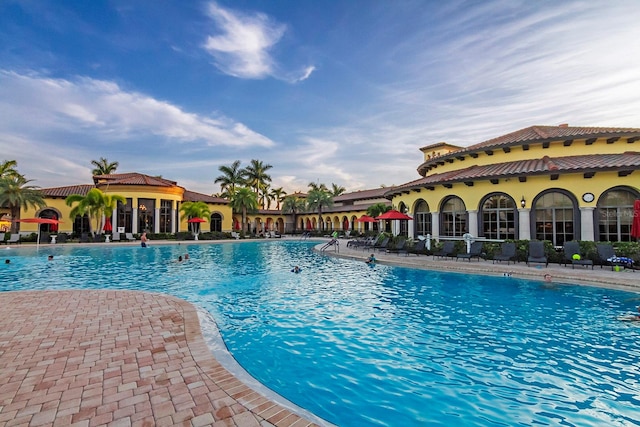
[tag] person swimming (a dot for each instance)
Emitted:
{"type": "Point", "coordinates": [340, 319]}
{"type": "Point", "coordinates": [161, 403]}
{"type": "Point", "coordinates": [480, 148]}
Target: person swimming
{"type": "Point", "coordinates": [371, 259]}
{"type": "Point", "coordinates": [296, 269]}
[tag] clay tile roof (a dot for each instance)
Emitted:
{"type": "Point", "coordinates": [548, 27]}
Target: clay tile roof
{"type": "Point", "coordinates": [568, 164]}
{"type": "Point", "coordinates": [63, 192]}
{"type": "Point", "coordinates": [133, 178]}
{"type": "Point", "coordinates": [375, 193]}
{"type": "Point", "coordinates": [192, 196]}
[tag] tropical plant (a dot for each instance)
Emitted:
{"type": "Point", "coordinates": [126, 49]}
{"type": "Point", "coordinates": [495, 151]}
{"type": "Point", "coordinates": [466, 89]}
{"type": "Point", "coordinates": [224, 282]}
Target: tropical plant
{"type": "Point", "coordinates": [244, 200]}
{"type": "Point", "coordinates": [337, 190]}
{"type": "Point", "coordinates": [103, 167]}
{"type": "Point", "coordinates": [377, 209]}
{"type": "Point", "coordinates": [256, 176]}
{"type": "Point", "coordinates": [195, 210]}
{"type": "Point", "coordinates": [319, 197]}
{"type": "Point", "coordinates": [231, 178]}
{"type": "Point", "coordinates": [292, 205]}
{"type": "Point", "coordinates": [15, 194]}
{"type": "Point", "coordinates": [96, 205]}
{"type": "Point", "coordinates": [8, 169]}
{"type": "Point", "coordinates": [278, 195]}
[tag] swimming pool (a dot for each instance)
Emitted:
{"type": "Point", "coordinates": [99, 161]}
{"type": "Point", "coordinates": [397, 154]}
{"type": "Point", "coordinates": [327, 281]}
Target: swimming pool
{"type": "Point", "coordinates": [389, 346]}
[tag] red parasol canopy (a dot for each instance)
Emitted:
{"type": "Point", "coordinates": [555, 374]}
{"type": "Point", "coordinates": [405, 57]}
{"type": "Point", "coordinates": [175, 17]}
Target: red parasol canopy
{"type": "Point", "coordinates": [635, 224]}
{"type": "Point", "coordinates": [39, 221]}
{"type": "Point", "coordinates": [107, 225]}
{"type": "Point", "coordinates": [366, 218]}
{"type": "Point", "coordinates": [394, 214]}
{"type": "Point", "coordinates": [192, 220]}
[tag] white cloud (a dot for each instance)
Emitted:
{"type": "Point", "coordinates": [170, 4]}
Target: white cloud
{"type": "Point", "coordinates": [243, 47]}
{"type": "Point", "coordinates": [33, 103]}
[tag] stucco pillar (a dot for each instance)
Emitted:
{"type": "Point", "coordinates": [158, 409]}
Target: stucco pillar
{"type": "Point", "coordinates": [435, 225]}
{"type": "Point", "coordinates": [524, 224]}
{"type": "Point", "coordinates": [473, 223]}
{"type": "Point", "coordinates": [156, 220]}
{"type": "Point", "coordinates": [134, 217]}
{"type": "Point", "coordinates": [586, 224]}
{"type": "Point", "coordinates": [174, 221]}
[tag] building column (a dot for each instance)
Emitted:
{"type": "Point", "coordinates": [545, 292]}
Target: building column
{"type": "Point", "coordinates": [473, 223]}
{"type": "Point", "coordinates": [174, 218]}
{"type": "Point", "coordinates": [524, 224]}
{"type": "Point", "coordinates": [587, 226]}
{"type": "Point", "coordinates": [156, 219]}
{"type": "Point", "coordinates": [134, 216]}
{"type": "Point", "coordinates": [435, 225]}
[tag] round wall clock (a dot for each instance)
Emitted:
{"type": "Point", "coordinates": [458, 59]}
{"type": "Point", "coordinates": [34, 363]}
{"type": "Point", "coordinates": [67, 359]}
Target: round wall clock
{"type": "Point", "coordinates": [588, 197]}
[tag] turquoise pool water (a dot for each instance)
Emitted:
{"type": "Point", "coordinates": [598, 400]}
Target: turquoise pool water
{"type": "Point", "coordinates": [385, 346]}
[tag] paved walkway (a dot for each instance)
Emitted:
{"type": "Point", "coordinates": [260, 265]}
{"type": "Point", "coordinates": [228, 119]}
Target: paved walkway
{"type": "Point", "coordinates": [123, 358]}
{"type": "Point", "coordinates": [117, 358]}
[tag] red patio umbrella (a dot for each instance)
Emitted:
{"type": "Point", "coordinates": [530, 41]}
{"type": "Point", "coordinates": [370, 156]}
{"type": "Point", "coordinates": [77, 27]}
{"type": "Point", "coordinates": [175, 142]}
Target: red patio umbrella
{"type": "Point", "coordinates": [39, 221]}
{"type": "Point", "coordinates": [196, 220]}
{"type": "Point", "coordinates": [635, 224]}
{"type": "Point", "coordinates": [107, 225]}
{"type": "Point", "coordinates": [394, 214]}
{"type": "Point", "coordinates": [366, 218]}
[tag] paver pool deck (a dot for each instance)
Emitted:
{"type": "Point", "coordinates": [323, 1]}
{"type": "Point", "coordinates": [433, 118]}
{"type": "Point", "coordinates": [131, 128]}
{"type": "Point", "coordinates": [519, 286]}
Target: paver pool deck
{"type": "Point", "coordinates": [128, 358]}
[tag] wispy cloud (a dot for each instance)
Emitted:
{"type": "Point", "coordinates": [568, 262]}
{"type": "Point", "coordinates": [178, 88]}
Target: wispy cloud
{"type": "Point", "coordinates": [243, 46]}
{"type": "Point", "coordinates": [29, 103]}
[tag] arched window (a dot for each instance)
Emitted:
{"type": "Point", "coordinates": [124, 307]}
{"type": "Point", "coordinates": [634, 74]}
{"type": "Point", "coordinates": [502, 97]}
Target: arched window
{"type": "Point", "coordinates": [422, 219]}
{"type": "Point", "coordinates": [216, 222]}
{"type": "Point", "coordinates": [49, 214]}
{"type": "Point", "coordinates": [554, 217]}
{"type": "Point", "coordinates": [615, 215]}
{"type": "Point", "coordinates": [453, 217]}
{"type": "Point", "coordinates": [498, 217]}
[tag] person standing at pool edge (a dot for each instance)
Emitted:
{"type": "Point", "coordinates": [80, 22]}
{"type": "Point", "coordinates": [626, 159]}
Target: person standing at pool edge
{"type": "Point", "coordinates": [143, 240]}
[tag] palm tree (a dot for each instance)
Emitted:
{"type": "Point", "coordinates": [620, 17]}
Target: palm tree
{"type": "Point", "coordinates": [377, 209]}
{"type": "Point", "coordinates": [244, 200]}
{"type": "Point", "coordinates": [15, 194]}
{"type": "Point", "coordinates": [8, 169]}
{"type": "Point", "coordinates": [103, 167]}
{"type": "Point", "coordinates": [256, 176]}
{"type": "Point", "coordinates": [293, 205]}
{"type": "Point", "coordinates": [318, 198]}
{"type": "Point", "coordinates": [232, 177]}
{"type": "Point", "coordinates": [337, 190]}
{"type": "Point", "coordinates": [195, 210]}
{"type": "Point", "coordinates": [277, 194]}
{"type": "Point", "coordinates": [95, 205]}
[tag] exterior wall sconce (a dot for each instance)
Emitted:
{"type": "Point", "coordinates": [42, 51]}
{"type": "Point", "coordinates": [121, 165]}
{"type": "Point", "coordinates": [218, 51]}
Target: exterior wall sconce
{"type": "Point", "coordinates": [523, 202]}
{"type": "Point", "coordinates": [142, 208]}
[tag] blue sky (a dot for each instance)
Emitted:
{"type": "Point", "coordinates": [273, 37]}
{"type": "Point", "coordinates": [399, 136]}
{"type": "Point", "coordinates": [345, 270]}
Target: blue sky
{"type": "Point", "coordinates": [341, 92]}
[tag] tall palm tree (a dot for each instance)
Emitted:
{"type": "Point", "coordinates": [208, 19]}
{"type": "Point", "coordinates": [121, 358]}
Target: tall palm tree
{"type": "Point", "coordinates": [231, 178]}
{"type": "Point", "coordinates": [337, 190]}
{"type": "Point", "coordinates": [95, 205]}
{"type": "Point", "coordinates": [8, 168]}
{"type": "Point", "coordinates": [277, 194]}
{"type": "Point", "coordinates": [15, 194]}
{"type": "Point", "coordinates": [195, 210]}
{"type": "Point", "coordinates": [256, 176]}
{"type": "Point", "coordinates": [377, 209]}
{"type": "Point", "coordinates": [244, 200]}
{"type": "Point", "coordinates": [293, 204]}
{"type": "Point", "coordinates": [318, 198]}
{"type": "Point", "coordinates": [103, 167]}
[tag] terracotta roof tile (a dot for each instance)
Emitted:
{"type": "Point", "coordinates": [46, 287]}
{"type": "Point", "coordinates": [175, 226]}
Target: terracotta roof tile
{"type": "Point", "coordinates": [192, 196]}
{"type": "Point", "coordinates": [133, 178]}
{"type": "Point", "coordinates": [587, 163]}
{"type": "Point", "coordinates": [375, 193]}
{"type": "Point", "coordinates": [63, 192]}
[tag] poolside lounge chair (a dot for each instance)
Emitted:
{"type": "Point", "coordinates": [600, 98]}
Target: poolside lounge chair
{"type": "Point", "coordinates": [537, 254]}
{"type": "Point", "coordinates": [607, 256]}
{"type": "Point", "coordinates": [382, 246]}
{"type": "Point", "coordinates": [419, 248]}
{"type": "Point", "coordinates": [62, 238]}
{"type": "Point", "coordinates": [399, 247]}
{"type": "Point", "coordinates": [507, 253]}
{"type": "Point", "coordinates": [130, 237]}
{"type": "Point", "coordinates": [84, 238]}
{"type": "Point", "coordinates": [475, 251]}
{"type": "Point", "coordinates": [448, 249]}
{"type": "Point", "coordinates": [45, 238]}
{"type": "Point", "coordinates": [115, 237]}
{"type": "Point", "coordinates": [571, 249]}
{"type": "Point", "coordinates": [14, 238]}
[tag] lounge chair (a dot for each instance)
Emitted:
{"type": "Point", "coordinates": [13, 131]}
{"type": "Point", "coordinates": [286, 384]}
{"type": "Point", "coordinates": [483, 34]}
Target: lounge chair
{"type": "Point", "coordinates": [475, 251]}
{"type": "Point", "coordinates": [382, 246]}
{"type": "Point", "coordinates": [537, 254]}
{"type": "Point", "coordinates": [507, 253]}
{"type": "Point", "coordinates": [448, 250]}
{"type": "Point", "coordinates": [14, 238]}
{"type": "Point", "coordinates": [607, 256]}
{"type": "Point", "coordinates": [419, 248]}
{"type": "Point", "coordinates": [62, 238]}
{"type": "Point", "coordinates": [45, 238]}
{"type": "Point", "coordinates": [84, 238]}
{"type": "Point", "coordinates": [571, 249]}
{"type": "Point", "coordinates": [399, 247]}
{"type": "Point", "coordinates": [115, 237]}
{"type": "Point", "coordinates": [129, 237]}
